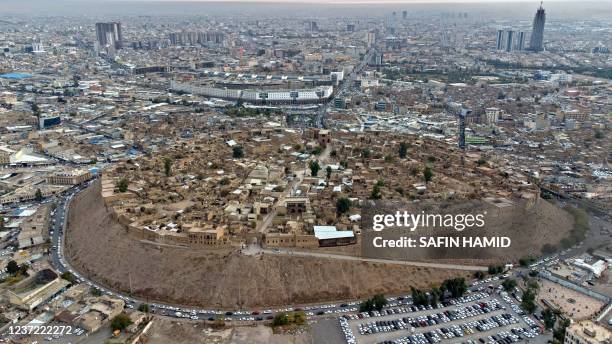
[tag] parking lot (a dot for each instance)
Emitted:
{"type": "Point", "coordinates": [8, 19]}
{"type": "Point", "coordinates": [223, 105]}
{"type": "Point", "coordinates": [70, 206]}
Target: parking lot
{"type": "Point", "coordinates": [476, 318]}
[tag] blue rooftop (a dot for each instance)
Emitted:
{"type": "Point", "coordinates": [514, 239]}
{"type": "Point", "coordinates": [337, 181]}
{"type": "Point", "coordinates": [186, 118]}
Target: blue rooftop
{"type": "Point", "coordinates": [15, 76]}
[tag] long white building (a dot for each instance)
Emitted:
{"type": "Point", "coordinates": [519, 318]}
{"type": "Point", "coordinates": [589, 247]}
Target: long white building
{"type": "Point", "coordinates": [312, 95]}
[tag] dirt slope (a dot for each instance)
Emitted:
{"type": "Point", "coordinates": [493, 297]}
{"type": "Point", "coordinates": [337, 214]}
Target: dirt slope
{"type": "Point", "coordinates": [97, 246]}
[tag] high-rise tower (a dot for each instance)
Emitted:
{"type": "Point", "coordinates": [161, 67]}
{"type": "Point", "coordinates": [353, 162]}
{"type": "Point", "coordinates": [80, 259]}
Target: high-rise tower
{"type": "Point", "coordinates": [537, 34]}
{"type": "Point", "coordinates": [499, 42]}
{"type": "Point", "coordinates": [109, 34]}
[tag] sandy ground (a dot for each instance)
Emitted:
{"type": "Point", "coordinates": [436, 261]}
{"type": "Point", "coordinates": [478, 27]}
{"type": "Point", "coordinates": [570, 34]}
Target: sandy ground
{"type": "Point", "coordinates": [582, 307]}
{"type": "Point", "coordinates": [97, 246]}
{"type": "Point", "coordinates": [165, 331]}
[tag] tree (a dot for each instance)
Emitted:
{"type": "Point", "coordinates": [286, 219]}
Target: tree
{"type": "Point", "coordinates": [403, 150]}
{"type": "Point", "coordinates": [343, 205]}
{"type": "Point", "coordinates": [67, 276]}
{"type": "Point", "coordinates": [528, 303]}
{"type": "Point", "coordinates": [143, 308]}
{"type": "Point", "coordinates": [120, 322]}
{"type": "Point", "coordinates": [12, 267]}
{"type": "Point", "coordinates": [548, 249]}
{"type": "Point", "coordinates": [479, 275]}
{"type": "Point", "coordinates": [524, 262]}
{"type": "Point", "coordinates": [376, 192]}
{"type": "Point", "coordinates": [328, 171]}
{"type": "Point", "coordinates": [38, 195]}
{"type": "Point", "coordinates": [427, 174]}
{"type": "Point", "coordinates": [419, 298]}
{"type": "Point", "coordinates": [559, 333]}
{"type": "Point", "coordinates": [509, 284]}
{"type": "Point", "coordinates": [456, 286]}
{"type": "Point", "coordinates": [314, 167]}
{"type": "Point", "coordinates": [95, 291]}
{"type": "Point", "coordinates": [280, 320]}
{"type": "Point", "coordinates": [549, 318]}
{"type": "Point", "coordinates": [481, 161]}
{"type": "Point", "coordinates": [123, 185]}
{"type": "Point", "coordinates": [493, 269]}
{"type": "Point", "coordinates": [533, 284]}
{"type": "Point", "coordinates": [299, 317]}
{"type": "Point", "coordinates": [379, 301]}
{"type": "Point", "coordinates": [436, 295]}
{"type": "Point", "coordinates": [167, 166]}
{"type": "Point", "coordinates": [237, 152]}
{"type": "Point", "coordinates": [366, 306]}
{"type": "Point", "coordinates": [365, 153]}
{"type": "Point", "coordinates": [219, 322]}
{"type": "Point", "coordinates": [23, 269]}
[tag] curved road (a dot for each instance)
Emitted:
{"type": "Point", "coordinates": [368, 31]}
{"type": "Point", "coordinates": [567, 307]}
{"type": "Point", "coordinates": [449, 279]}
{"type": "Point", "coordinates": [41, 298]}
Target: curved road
{"type": "Point", "coordinates": [58, 227]}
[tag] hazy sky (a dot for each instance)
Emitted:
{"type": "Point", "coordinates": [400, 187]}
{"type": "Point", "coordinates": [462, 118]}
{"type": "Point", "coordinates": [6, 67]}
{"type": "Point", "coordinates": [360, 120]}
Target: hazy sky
{"type": "Point", "coordinates": [496, 9]}
{"type": "Point", "coordinates": [357, 1]}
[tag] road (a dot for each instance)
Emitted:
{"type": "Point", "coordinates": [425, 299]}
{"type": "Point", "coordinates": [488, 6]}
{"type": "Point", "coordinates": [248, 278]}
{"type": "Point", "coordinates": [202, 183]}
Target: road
{"type": "Point", "coordinates": [255, 249]}
{"type": "Point", "coordinates": [348, 81]}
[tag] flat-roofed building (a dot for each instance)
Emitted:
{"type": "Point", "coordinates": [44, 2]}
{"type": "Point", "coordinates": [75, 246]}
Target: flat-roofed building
{"type": "Point", "coordinates": [36, 290]}
{"type": "Point", "coordinates": [101, 310]}
{"type": "Point", "coordinates": [206, 237]}
{"type": "Point", "coordinates": [331, 236]}
{"type": "Point", "coordinates": [296, 205]}
{"type": "Point", "coordinates": [73, 177]}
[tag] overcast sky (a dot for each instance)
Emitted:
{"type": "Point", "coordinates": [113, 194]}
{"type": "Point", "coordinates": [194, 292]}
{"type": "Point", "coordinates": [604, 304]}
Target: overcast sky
{"type": "Point", "coordinates": [495, 9]}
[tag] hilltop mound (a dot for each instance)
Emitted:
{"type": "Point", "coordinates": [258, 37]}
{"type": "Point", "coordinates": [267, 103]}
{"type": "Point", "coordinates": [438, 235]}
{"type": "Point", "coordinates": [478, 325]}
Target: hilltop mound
{"type": "Point", "coordinates": [98, 247]}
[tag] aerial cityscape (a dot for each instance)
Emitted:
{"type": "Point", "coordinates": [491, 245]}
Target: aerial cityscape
{"type": "Point", "coordinates": [376, 172]}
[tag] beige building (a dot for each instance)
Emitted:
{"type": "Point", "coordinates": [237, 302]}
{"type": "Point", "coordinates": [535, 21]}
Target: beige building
{"type": "Point", "coordinates": [73, 177]}
{"type": "Point", "coordinates": [290, 240]}
{"type": "Point", "coordinates": [34, 230]}
{"type": "Point", "coordinates": [5, 156]}
{"type": "Point", "coordinates": [587, 332]}
{"type": "Point", "coordinates": [28, 193]}
{"type": "Point", "coordinates": [29, 294]}
{"type": "Point", "coordinates": [99, 312]}
{"type": "Point", "coordinates": [206, 237]}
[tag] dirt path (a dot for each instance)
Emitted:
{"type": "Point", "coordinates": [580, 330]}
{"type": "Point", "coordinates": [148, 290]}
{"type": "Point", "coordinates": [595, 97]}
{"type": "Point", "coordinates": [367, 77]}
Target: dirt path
{"type": "Point", "coordinates": [253, 250]}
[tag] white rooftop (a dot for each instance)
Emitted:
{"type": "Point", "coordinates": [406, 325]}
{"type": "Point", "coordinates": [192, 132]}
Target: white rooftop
{"type": "Point", "coordinates": [330, 232]}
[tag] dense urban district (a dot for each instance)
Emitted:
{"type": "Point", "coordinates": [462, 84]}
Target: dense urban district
{"type": "Point", "coordinates": [203, 179]}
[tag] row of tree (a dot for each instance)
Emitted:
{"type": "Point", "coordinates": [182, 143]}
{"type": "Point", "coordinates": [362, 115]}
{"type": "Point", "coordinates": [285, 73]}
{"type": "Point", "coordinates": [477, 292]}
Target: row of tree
{"type": "Point", "coordinates": [13, 269]}
{"type": "Point", "coordinates": [454, 287]}
{"type": "Point", "coordinates": [377, 302]}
